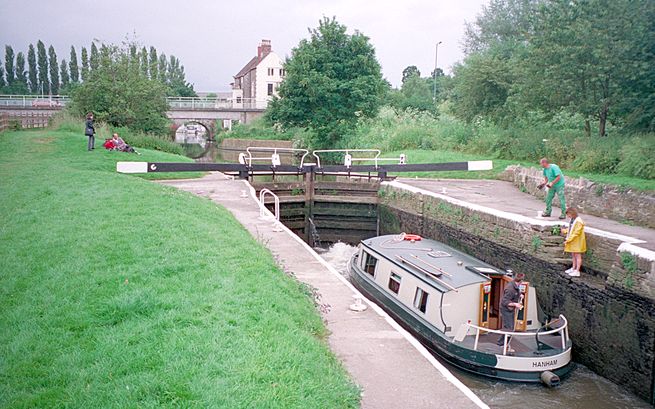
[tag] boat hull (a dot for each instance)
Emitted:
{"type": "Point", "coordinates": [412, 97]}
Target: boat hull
{"type": "Point", "coordinates": [505, 368]}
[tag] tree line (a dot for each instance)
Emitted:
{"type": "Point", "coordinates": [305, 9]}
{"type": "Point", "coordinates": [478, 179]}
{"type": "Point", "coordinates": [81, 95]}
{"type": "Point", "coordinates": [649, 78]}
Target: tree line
{"type": "Point", "coordinates": [593, 59]}
{"type": "Point", "coordinates": [41, 72]}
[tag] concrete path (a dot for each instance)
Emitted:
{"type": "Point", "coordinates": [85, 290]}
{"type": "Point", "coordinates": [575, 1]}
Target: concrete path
{"type": "Point", "coordinates": [500, 195]}
{"type": "Point", "coordinates": [391, 367]}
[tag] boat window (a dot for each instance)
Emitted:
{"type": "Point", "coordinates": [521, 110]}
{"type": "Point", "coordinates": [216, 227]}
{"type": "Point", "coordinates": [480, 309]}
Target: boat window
{"type": "Point", "coordinates": [394, 282]}
{"type": "Point", "coordinates": [421, 299]}
{"type": "Point", "coordinates": [370, 263]}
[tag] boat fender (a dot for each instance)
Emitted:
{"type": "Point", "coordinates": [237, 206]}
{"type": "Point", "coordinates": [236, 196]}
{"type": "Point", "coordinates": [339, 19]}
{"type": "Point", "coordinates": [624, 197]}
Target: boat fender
{"type": "Point", "coordinates": [412, 237]}
{"type": "Point", "coordinates": [549, 379]}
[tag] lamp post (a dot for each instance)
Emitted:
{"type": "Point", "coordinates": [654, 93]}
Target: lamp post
{"type": "Point", "coordinates": [434, 87]}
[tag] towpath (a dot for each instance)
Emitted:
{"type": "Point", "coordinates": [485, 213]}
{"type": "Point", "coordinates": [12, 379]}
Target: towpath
{"type": "Point", "coordinates": [391, 367]}
{"type": "Point", "coordinates": [504, 196]}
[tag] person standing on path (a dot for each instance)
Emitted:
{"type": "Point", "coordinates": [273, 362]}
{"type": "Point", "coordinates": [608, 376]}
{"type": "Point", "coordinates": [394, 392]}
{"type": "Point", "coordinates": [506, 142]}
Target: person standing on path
{"type": "Point", "coordinates": [576, 242]}
{"type": "Point", "coordinates": [554, 181]}
{"type": "Point", "coordinates": [508, 305]}
{"type": "Point", "coordinates": [90, 131]}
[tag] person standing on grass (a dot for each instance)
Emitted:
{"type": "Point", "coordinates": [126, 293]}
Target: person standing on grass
{"type": "Point", "coordinates": [554, 181]}
{"type": "Point", "coordinates": [90, 131]}
{"type": "Point", "coordinates": [576, 242]}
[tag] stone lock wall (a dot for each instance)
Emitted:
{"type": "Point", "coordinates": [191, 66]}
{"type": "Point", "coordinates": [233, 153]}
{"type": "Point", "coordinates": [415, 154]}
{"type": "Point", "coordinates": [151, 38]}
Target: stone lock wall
{"type": "Point", "coordinates": [610, 309]}
{"type": "Point", "coordinates": [610, 201]}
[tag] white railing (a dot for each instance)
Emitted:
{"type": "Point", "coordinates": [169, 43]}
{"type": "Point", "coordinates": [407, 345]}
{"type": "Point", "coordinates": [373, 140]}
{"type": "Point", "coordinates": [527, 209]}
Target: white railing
{"type": "Point", "coordinates": [215, 103]}
{"type": "Point", "coordinates": [349, 159]}
{"type": "Point", "coordinates": [274, 158]}
{"type": "Point", "coordinates": [262, 204]}
{"type": "Point", "coordinates": [34, 101]}
{"type": "Point", "coordinates": [59, 101]}
{"type": "Point", "coordinates": [563, 330]}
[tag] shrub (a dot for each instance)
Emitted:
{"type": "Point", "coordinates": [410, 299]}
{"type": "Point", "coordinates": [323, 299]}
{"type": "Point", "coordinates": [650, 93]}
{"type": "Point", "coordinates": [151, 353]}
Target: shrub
{"type": "Point", "coordinates": [638, 157]}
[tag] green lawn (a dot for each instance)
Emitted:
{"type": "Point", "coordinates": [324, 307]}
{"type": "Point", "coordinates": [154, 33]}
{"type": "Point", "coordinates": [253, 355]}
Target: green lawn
{"type": "Point", "coordinates": [425, 156]}
{"type": "Point", "coordinates": [118, 292]}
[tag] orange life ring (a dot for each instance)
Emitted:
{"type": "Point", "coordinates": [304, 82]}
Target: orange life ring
{"type": "Point", "coordinates": [412, 237]}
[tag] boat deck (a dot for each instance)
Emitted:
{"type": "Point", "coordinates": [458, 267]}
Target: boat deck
{"type": "Point", "coordinates": [523, 346]}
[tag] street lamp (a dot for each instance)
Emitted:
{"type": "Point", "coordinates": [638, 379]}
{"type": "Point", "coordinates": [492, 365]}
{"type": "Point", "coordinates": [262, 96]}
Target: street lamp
{"type": "Point", "coordinates": [434, 88]}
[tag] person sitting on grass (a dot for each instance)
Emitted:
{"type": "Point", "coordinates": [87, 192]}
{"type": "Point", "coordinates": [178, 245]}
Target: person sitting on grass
{"type": "Point", "coordinates": [576, 242]}
{"type": "Point", "coordinates": [120, 145]}
{"type": "Point", "coordinates": [554, 181]}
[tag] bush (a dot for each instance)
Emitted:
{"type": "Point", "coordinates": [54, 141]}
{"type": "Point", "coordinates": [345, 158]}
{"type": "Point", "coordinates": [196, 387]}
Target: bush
{"type": "Point", "coordinates": [561, 139]}
{"type": "Point", "coordinates": [638, 157]}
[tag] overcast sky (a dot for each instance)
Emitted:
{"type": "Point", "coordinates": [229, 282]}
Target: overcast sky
{"type": "Point", "coordinates": [215, 38]}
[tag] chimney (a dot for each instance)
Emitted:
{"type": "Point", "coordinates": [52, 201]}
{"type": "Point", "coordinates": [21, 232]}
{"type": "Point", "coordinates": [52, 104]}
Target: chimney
{"type": "Point", "coordinates": [263, 49]}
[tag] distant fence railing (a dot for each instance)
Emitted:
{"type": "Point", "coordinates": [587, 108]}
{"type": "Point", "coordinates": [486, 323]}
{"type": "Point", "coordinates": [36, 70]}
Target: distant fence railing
{"type": "Point", "coordinates": [34, 101]}
{"type": "Point", "coordinates": [215, 103]}
{"type": "Point", "coordinates": [192, 103]}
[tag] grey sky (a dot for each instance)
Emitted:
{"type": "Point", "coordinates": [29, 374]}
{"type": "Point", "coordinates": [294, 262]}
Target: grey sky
{"type": "Point", "coordinates": [214, 39]}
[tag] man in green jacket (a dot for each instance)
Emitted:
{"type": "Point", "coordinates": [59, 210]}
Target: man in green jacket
{"type": "Point", "coordinates": [554, 180]}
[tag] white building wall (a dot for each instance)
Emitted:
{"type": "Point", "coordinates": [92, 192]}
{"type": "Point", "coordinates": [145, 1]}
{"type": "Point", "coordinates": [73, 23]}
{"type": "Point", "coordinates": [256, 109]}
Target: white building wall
{"type": "Point", "coordinates": [274, 62]}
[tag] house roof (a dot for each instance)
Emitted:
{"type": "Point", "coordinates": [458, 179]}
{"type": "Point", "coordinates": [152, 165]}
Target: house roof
{"type": "Point", "coordinates": [251, 65]}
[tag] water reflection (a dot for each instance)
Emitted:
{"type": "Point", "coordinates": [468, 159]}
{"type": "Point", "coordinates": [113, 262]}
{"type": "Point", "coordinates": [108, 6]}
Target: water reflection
{"type": "Point", "coordinates": [583, 389]}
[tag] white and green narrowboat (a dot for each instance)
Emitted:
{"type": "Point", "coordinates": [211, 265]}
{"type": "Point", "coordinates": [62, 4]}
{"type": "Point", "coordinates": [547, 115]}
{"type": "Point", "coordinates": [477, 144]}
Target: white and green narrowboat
{"type": "Point", "coordinates": [450, 301]}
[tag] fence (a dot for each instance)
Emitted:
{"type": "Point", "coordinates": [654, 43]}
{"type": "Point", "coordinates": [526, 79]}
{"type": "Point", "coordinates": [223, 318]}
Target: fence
{"type": "Point", "coordinates": [4, 121]}
{"type": "Point", "coordinates": [24, 120]}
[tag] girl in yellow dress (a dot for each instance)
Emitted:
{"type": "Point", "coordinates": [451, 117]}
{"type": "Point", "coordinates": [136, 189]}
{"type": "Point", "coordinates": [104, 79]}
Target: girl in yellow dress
{"type": "Point", "coordinates": [576, 242]}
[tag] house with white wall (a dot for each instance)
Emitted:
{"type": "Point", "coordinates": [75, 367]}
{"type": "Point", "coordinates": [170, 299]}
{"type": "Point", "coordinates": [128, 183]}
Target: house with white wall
{"type": "Point", "coordinates": [258, 81]}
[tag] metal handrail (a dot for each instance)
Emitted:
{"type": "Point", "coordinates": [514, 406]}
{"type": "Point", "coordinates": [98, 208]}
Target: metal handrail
{"type": "Point", "coordinates": [262, 205]}
{"type": "Point", "coordinates": [563, 330]}
{"type": "Point", "coordinates": [350, 159]}
{"type": "Point", "coordinates": [251, 149]}
{"type": "Point", "coordinates": [347, 152]}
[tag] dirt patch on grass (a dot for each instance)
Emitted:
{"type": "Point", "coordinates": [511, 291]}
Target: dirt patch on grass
{"type": "Point", "coordinates": [42, 145]}
{"type": "Point", "coordinates": [44, 140]}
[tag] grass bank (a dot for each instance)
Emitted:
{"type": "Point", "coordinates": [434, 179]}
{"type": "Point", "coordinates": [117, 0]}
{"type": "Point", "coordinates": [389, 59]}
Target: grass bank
{"type": "Point", "coordinates": [117, 292]}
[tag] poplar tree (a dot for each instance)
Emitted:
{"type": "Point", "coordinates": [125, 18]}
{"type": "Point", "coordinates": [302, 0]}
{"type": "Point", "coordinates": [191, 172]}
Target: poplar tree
{"type": "Point", "coordinates": [163, 65]}
{"type": "Point", "coordinates": [134, 58]}
{"type": "Point", "coordinates": [144, 62]}
{"type": "Point", "coordinates": [54, 71]}
{"type": "Point", "coordinates": [21, 74]}
{"type": "Point", "coordinates": [63, 72]}
{"type": "Point", "coordinates": [33, 74]}
{"type": "Point", "coordinates": [2, 77]}
{"type": "Point", "coordinates": [94, 58]}
{"type": "Point", "coordinates": [42, 58]}
{"type": "Point", "coordinates": [85, 65]}
{"type": "Point", "coordinates": [73, 67]}
{"type": "Point", "coordinates": [9, 65]}
{"type": "Point", "coordinates": [154, 64]}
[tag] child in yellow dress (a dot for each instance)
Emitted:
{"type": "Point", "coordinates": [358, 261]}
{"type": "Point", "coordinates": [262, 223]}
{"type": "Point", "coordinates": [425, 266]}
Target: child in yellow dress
{"type": "Point", "coordinates": [576, 242]}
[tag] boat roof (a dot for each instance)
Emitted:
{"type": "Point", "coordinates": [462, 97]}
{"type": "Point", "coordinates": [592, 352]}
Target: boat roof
{"type": "Point", "coordinates": [445, 267]}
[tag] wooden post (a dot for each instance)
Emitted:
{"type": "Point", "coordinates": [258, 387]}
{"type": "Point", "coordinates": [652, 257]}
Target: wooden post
{"type": "Point", "coordinates": [309, 205]}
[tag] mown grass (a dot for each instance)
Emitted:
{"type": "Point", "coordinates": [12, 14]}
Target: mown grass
{"type": "Point", "coordinates": [117, 292]}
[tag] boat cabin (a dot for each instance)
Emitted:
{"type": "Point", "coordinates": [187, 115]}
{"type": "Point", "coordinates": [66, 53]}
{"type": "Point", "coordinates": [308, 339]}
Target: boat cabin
{"type": "Point", "coordinates": [446, 287]}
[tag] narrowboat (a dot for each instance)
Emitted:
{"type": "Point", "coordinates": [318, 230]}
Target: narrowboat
{"type": "Point", "coordinates": [450, 301]}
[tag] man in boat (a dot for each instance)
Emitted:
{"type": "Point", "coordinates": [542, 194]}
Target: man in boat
{"type": "Point", "coordinates": [509, 304]}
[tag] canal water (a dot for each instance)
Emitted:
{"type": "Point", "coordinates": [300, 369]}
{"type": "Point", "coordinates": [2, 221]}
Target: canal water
{"type": "Point", "coordinates": [583, 389]}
